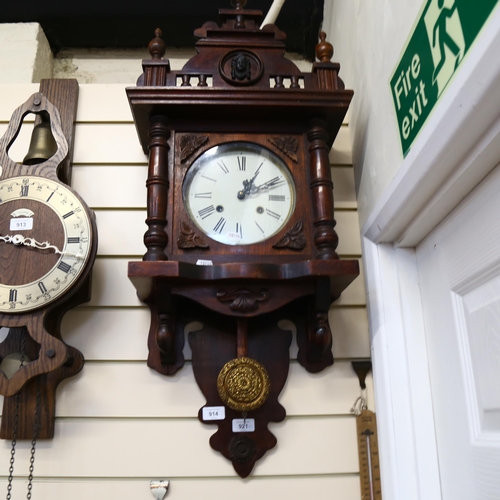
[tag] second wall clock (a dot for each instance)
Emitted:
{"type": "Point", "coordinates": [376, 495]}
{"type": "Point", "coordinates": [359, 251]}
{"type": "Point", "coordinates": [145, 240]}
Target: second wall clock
{"type": "Point", "coordinates": [48, 243]}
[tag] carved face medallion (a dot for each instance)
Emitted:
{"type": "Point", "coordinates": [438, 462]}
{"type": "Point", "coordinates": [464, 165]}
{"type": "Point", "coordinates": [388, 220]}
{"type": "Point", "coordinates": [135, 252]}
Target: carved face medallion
{"type": "Point", "coordinates": [241, 67]}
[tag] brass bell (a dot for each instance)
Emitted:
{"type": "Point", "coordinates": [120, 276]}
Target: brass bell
{"type": "Point", "coordinates": [42, 145]}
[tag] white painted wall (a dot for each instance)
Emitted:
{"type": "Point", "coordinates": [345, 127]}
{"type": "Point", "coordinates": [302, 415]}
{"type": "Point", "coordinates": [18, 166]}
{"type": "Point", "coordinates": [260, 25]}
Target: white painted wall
{"type": "Point", "coordinates": [368, 38]}
{"type": "Point", "coordinates": [25, 54]}
{"type": "Point", "coordinates": [400, 202]}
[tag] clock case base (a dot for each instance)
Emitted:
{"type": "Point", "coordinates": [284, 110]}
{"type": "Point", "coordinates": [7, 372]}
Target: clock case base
{"type": "Point", "coordinates": [240, 298]}
{"type": "Point", "coordinates": [178, 293]}
{"type": "Point", "coordinates": [267, 343]}
{"type": "Point", "coordinates": [33, 403]}
{"type": "Point", "coordinates": [225, 298]}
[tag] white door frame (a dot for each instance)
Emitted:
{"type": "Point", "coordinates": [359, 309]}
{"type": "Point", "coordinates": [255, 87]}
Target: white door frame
{"type": "Point", "coordinates": [457, 148]}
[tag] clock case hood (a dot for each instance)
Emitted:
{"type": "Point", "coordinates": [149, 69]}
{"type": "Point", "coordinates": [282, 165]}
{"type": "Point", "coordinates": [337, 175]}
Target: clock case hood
{"type": "Point", "coordinates": [204, 93]}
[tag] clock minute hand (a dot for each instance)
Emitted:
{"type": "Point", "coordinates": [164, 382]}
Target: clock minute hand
{"type": "Point", "coordinates": [19, 239]}
{"type": "Point", "coordinates": [277, 181]}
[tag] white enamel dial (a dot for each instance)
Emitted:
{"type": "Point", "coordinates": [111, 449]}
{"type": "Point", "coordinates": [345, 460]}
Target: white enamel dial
{"type": "Point", "coordinates": [239, 193]}
{"type": "Point", "coordinates": [45, 242]}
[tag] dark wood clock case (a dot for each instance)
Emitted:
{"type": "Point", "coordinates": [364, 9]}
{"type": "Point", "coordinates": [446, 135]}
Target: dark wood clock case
{"type": "Point", "coordinates": [240, 87]}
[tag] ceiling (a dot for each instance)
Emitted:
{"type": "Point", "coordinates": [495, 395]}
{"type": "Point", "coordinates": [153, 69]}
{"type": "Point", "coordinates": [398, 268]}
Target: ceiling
{"type": "Point", "coordinates": [118, 24]}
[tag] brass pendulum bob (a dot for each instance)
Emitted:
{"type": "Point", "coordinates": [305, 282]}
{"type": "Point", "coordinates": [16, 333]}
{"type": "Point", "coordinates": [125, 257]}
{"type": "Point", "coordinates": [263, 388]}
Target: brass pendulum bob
{"type": "Point", "coordinates": [243, 383]}
{"type": "Point", "coordinates": [42, 145]}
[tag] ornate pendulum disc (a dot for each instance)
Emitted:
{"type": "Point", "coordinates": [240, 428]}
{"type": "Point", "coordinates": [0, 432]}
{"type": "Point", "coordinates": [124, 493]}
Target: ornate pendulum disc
{"type": "Point", "coordinates": [243, 384]}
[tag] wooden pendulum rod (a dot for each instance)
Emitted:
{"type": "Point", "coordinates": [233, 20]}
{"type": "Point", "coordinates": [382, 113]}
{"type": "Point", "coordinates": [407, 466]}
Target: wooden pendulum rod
{"type": "Point", "coordinates": [242, 338]}
{"type": "Point", "coordinates": [243, 383]}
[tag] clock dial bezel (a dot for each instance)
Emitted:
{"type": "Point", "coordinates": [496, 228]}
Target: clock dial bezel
{"type": "Point", "coordinates": [263, 208]}
{"type": "Point", "coordinates": [74, 237]}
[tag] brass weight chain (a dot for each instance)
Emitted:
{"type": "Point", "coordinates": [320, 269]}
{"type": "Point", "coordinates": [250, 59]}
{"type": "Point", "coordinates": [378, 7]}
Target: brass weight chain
{"type": "Point", "coordinates": [13, 448]}
{"type": "Point", "coordinates": [36, 427]}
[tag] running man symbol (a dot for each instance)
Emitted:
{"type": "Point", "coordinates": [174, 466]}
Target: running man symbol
{"type": "Point", "coordinates": [446, 39]}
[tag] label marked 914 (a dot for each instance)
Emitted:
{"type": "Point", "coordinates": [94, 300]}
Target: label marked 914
{"type": "Point", "coordinates": [214, 413]}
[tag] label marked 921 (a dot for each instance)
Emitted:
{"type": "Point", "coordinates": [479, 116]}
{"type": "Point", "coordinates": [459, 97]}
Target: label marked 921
{"type": "Point", "coordinates": [243, 425]}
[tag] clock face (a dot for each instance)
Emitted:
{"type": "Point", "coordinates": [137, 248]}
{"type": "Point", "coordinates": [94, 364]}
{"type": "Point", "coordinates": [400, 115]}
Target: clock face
{"type": "Point", "coordinates": [239, 193]}
{"type": "Point", "coordinates": [45, 242]}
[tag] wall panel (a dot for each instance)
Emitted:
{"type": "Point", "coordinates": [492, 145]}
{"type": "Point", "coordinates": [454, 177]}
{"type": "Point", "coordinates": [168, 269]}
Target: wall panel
{"type": "Point", "coordinates": [346, 487]}
{"type": "Point", "coordinates": [111, 287]}
{"type": "Point", "coordinates": [114, 333]}
{"type": "Point", "coordinates": [119, 185]}
{"type": "Point", "coordinates": [140, 392]}
{"type": "Point", "coordinates": [130, 447]}
{"type": "Point", "coordinates": [123, 230]}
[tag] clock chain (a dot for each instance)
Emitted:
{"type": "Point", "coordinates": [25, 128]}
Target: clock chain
{"type": "Point", "coordinates": [16, 423]}
{"type": "Point", "coordinates": [13, 448]}
{"type": "Point", "coordinates": [36, 427]}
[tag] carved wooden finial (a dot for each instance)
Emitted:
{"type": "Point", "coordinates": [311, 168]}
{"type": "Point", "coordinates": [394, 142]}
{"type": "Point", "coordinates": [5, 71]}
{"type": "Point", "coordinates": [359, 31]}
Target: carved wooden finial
{"type": "Point", "coordinates": [324, 49]}
{"type": "Point", "coordinates": [157, 47]}
{"type": "Point", "coordinates": [238, 4]}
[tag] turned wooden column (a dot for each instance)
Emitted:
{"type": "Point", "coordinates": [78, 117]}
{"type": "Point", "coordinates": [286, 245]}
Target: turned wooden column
{"type": "Point", "coordinates": [156, 238]}
{"type": "Point", "coordinates": [325, 237]}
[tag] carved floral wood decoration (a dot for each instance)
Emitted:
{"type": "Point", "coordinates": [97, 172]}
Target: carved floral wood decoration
{"type": "Point", "coordinates": [286, 144]}
{"type": "Point", "coordinates": [189, 238]}
{"type": "Point", "coordinates": [294, 238]}
{"type": "Point", "coordinates": [241, 229]}
{"type": "Point", "coordinates": [190, 143]}
{"type": "Point", "coordinates": [243, 300]}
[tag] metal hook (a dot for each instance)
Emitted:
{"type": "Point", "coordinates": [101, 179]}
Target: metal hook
{"type": "Point", "coordinates": [362, 368]}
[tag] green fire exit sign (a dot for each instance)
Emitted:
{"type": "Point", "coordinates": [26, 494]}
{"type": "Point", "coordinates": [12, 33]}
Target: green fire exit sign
{"type": "Point", "coordinates": [441, 37]}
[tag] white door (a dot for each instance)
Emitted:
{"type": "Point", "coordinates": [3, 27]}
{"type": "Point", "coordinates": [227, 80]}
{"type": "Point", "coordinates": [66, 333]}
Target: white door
{"type": "Point", "coordinates": [459, 271]}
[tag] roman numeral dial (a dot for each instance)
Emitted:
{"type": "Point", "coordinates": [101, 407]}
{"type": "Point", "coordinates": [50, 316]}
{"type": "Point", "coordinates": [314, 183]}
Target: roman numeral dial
{"type": "Point", "coordinates": [239, 193]}
{"type": "Point", "coordinates": [46, 237]}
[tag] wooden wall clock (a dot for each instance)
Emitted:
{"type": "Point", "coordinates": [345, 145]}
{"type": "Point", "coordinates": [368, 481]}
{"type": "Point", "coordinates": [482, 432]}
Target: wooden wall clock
{"type": "Point", "coordinates": [48, 243]}
{"type": "Point", "coordinates": [241, 228]}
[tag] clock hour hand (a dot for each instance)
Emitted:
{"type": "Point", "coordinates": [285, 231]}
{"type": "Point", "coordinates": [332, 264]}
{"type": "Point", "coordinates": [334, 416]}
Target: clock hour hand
{"type": "Point", "coordinates": [248, 185]}
{"type": "Point", "coordinates": [19, 239]}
